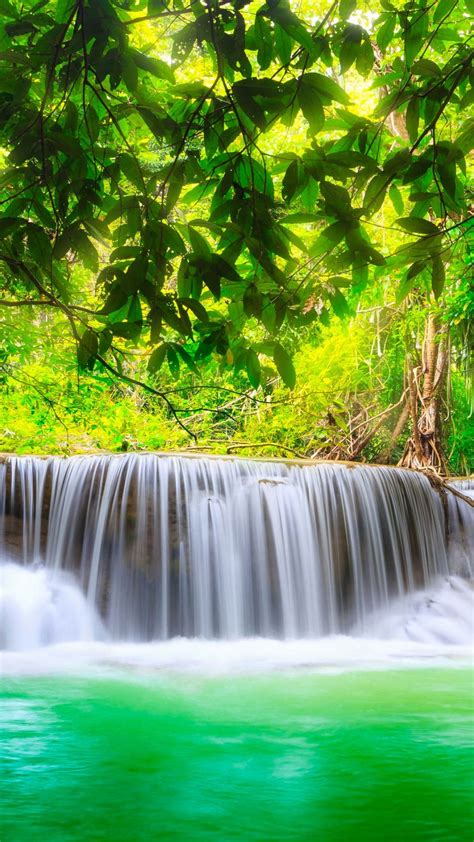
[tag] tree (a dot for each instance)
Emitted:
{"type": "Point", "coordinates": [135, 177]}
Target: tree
{"type": "Point", "coordinates": [212, 168]}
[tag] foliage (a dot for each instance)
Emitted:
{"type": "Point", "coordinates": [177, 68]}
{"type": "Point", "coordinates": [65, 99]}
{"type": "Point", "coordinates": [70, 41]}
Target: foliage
{"type": "Point", "coordinates": [189, 188]}
{"type": "Point", "coordinates": [350, 368]}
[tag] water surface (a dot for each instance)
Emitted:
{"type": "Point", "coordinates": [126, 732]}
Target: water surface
{"type": "Point", "coordinates": [372, 756]}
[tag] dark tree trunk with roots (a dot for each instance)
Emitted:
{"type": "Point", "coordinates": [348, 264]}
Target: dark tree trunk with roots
{"type": "Point", "coordinates": [426, 382]}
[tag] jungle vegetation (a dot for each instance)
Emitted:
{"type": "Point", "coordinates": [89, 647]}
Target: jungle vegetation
{"type": "Point", "coordinates": [238, 226]}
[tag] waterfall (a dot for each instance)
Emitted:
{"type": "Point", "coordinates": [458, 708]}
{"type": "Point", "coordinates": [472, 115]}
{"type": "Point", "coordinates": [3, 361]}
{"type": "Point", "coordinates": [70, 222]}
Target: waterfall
{"type": "Point", "coordinates": [38, 608]}
{"type": "Point", "coordinates": [166, 546]}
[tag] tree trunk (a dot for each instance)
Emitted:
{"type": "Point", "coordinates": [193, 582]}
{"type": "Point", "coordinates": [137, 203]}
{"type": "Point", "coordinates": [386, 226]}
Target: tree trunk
{"type": "Point", "coordinates": [424, 447]}
{"type": "Point", "coordinates": [386, 455]}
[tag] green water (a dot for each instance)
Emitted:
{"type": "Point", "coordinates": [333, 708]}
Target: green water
{"type": "Point", "coordinates": [369, 756]}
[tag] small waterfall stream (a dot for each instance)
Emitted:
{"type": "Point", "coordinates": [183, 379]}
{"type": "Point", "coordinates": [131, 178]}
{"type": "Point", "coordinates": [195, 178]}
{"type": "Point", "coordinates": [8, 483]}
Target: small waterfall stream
{"type": "Point", "coordinates": [166, 546]}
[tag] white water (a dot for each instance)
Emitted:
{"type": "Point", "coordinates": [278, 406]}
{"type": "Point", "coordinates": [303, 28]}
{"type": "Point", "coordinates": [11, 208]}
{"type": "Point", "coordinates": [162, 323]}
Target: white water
{"type": "Point", "coordinates": [430, 628]}
{"type": "Point", "coordinates": [39, 608]}
{"type": "Point", "coordinates": [47, 627]}
{"type": "Point", "coordinates": [442, 614]}
{"type": "Point", "coordinates": [167, 547]}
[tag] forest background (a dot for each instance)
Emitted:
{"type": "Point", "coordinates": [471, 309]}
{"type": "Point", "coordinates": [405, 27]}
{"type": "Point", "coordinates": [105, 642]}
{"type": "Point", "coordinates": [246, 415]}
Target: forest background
{"type": "Point", "coordinates": [238, 228]}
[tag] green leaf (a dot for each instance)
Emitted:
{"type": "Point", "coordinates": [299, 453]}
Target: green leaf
{"type": "Point", "coordinates": [284, 17]}
{"type": "Point", "coordinates": [199, 243]}
{"type": "Point", "coordinates": [105, 341]}
{"type": "Point", "coordinates": [309, 194]}
{"type": "Point", "coordinates": [173, 360]}
{"type": "Point", "coordinates": [413, 118]}
{"type": "Point", "coordinates": [129, 71]}
{"type": "Point", "coordinates": [264, 40]}
{"type": "Point", "coordinates": [186, 326]}
{"type": "Point", "coordinates": [170, 315]}
{"type": "Point", "coordinates": [284, 365]}
{"type": "Point", "coordinates": [186, 357]}
{"type": "Point", "coordinates": [443, 9]}
{"type": "Point", "coordinates": [415, 269]}
{"type": "Point", "coordinates": [23, 150]}
{"type": "Point", "coordinates": [99, 230]}
{"type": "Point", "coordinates": [330, 237]}
{"type": "Point", "coordinates": [126, 330]}
{"type": "Point", "coordinates": [386, 32]}
{"type": "Point", "coordinates": [412, 47]}
{"type": "Point", "coordinates": [465, 140]}
{"type": "Point", "coordinates": [337, 198]}
{"type": "Point", "coordinates": [87, 349]}
{"type": "Point", "coordinates": [311, 107]}
{"type": "Point", "coordinates": [183, 42]}
{"type": "Point", "coordinates": [396, 198]}
{"type": "Point", "coordinates": [375, 193]}
{"type": "Point", "coordinates": [64, 10]}
{"type": "Point", "coordinates": [20, 27]}
{"type": "Point", "coordinates": [252, 365]}
{"type": "Point", "coordinates": [415, 225]}
{"type": "Point", "coordinates": [299, 218]}
{"type": "Point", "coordinates": [365, 58]}
{"type": "Point", "coordinates": [348, 54]}
{"type": "Point", "coordinates": [115, 301]}
{"type": "Point", "coordinates": [156, 6]}
{"type": "Point", "coordinates": [339, 304]}
{"type": "Point", "coordinates": [326, 87]}
{"type": "Point", "coordinates": [224, 268]}
{"type": "Point", "coordinates": [283, 44]}
{"type": "Point", "coordinates": [425, 67]}
{"type": "Point", "coordinates": [131, 169]}
{"type": "Point", "coordinates": [74, 239]}
{"type": "Point", "coordinates": [438, 277]}
{"type": "Point", "coordinates": [268, 316]}
{"type": "Point", "coordinates": [346, 7]}
{"type": "Point", "coordinates": [39, 245]}
{"type": "Point", "coordinates": [197, 308]}
{"type": "Point", "coordinates": [135, 310]}
{"type": "Point", "coordinates": [135, 275]}
{"type": "Point", "coordinates": [338, 282]}
{"type": "Point", "coordinates": [414, 35]}
{"type": "Point", "coordinates": [252, 301]}
{"type": "Point", "coordinates": [404, 289]}
{"type": "Point", "coordinates": [157, 358]}
{"type": "Point", "coordinates": [250, 106]}
{"type": "Point", "coordinates": [8, 224]}
{"type": "Point", "coordinates": [120, 207]}
{"type": "Point", "coordinates": [210, 276]}
{"type": "Point", "coordinates": [447, 176]}
{"type": "Point", "coordinates": [175, 185]}
{"type": "Point", "coordinates": [199, 192]}
{"type": "Point", "coordinates": [290, 181]}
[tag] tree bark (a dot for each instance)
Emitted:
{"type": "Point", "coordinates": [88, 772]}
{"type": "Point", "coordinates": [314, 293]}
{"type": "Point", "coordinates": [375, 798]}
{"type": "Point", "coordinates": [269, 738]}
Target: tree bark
{"type": "Point", "coordinates": [424, 447]}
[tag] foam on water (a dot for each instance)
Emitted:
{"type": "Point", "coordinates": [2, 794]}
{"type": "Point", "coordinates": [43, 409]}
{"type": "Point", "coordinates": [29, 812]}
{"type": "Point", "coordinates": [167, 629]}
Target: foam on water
{"type": "Point", "coordinates": [442, 614]}
{"type": "Point", "coordinates": [40, 607]}
{"type": "Point", "coordinates": [48, 621]}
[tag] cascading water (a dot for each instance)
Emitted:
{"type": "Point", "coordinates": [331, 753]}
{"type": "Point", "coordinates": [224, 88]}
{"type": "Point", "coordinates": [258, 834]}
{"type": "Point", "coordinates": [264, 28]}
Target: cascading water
{"type": "Point", "coordinates": [166, 546]}
{"type": "Point", "coordinates": [38, 608]}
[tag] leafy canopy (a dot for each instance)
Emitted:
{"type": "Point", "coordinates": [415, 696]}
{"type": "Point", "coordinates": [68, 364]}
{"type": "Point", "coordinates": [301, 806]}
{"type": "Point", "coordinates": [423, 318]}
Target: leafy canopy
{"type": "Point", "coordinates": [215, 169]}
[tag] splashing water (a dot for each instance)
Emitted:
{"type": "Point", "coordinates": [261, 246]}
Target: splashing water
{"type": "Point", "coordinates": [228, 549]}
{"type": "Point", "coordinates": [39, 607]}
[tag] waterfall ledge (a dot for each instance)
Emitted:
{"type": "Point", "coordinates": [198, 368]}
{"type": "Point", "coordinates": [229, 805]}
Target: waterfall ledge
{"type": "Point", "coordinates": [164, 546]}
